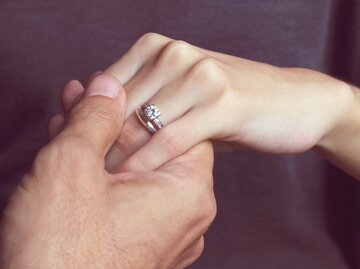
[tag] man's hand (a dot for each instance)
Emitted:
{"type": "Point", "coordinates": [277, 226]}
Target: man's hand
{"type": "Point", "coordinates": [69, 212]}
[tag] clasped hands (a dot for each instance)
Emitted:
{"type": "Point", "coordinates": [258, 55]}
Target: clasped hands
{"type": "Point", "coordinates": [104, 193]}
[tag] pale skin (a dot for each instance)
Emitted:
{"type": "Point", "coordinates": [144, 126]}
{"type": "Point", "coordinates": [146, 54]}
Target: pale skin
{"type": "Point", "coordinates": [202, 95]}
{"type": "Point", "coordinates": [209, 95]}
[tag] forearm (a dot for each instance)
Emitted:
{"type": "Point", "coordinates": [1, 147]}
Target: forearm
{"type": "Point", "coordinates": [341, 146]}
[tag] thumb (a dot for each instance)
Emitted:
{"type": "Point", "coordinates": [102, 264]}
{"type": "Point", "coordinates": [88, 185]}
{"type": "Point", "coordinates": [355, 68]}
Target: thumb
{"type": "Point", "coordinates": [98, 117]}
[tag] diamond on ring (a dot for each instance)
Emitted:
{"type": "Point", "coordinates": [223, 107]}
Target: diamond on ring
{"type": "Point", "coordinates": [151, 111]}
{"type": "Point", "coordinates": [149, 117]}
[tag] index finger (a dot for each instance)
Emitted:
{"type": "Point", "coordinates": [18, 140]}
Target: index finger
{"type": "Point", "coordinates": [147, 46]}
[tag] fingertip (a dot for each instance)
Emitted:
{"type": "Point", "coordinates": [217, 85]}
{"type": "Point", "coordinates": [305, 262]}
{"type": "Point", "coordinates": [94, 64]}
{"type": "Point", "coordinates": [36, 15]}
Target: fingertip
{"type": "Point", "coordinates": [102, 80]}
{"type": "Point", "coordinates": [95, 74]}
{"type": "Point", "coordinates": [97, 116]}
{"type": "Point", "coordinates": [70, 92]}
{"type": "Point", "coordinates": [73, 85]}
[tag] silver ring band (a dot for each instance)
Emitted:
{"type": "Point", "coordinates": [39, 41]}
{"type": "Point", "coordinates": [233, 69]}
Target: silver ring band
{"type": "Point", "coordinates": [158, 123]}
{"type": "Point", "coordinates": [149, 117]}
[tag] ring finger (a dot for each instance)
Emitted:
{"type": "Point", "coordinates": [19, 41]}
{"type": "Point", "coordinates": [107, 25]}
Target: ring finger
{"type": "Point", "coordinates": [173, 102]}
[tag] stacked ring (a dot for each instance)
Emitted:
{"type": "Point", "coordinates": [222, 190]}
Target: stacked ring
{"type": "Point", "coordinates": [149, 117]}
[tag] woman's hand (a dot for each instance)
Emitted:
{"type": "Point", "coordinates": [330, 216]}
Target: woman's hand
{"type": "Point", "coordinates": [203, 94]}
{"type": "Point", "coordinates": [69, 212]}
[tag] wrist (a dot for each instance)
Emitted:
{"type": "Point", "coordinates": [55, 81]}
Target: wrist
{"type": "Point", "coordinates": [348, 100]}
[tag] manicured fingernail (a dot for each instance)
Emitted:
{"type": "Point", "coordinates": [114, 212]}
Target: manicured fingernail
{"type": "Point", "coordinates": [104, 85]}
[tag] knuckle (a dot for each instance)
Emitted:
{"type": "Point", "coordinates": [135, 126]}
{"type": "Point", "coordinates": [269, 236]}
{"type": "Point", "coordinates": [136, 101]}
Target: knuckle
{"type": "Point", "coordinates": [208, 207]}
{"type": "Point", "coordinates": [211, 209]}
{"type": "Point", "coordinates": [204, 197]}
{"type": "Point", "coordinates": [200, 204]}
{"type": "Point", "coordinates": [192, 253]}
{"type": "Point", "coordinates": [174, 53]}
{"type": "Point", "coordinates": [206, 68]}
{"type": "Point", "coordinates": [147, 40]}
{"type": "Point", "coordinates": [208, 71]}
{"type": "Point", "coordinates": [198, 248]}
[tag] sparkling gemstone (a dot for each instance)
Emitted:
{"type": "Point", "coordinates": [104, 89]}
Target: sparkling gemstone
{"type": "Point", "coordinates": [152, 112]}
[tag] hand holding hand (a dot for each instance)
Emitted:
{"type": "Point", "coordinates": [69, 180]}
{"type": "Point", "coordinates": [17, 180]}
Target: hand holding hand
{"type": "Point", "coordinates": [69, 212]}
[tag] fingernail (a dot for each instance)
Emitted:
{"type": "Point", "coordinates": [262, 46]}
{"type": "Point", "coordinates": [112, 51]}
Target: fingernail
{"type": "Point", "coordinates": [104, 85]}
{"type": "Point", "coordinates": [97, 73]}
{"type": "Point", "coordinates": [94, 75]}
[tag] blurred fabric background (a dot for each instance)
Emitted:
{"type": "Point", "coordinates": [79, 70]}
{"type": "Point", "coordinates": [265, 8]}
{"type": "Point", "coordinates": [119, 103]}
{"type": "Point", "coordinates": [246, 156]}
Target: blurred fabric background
{"type": "Point", "coordinates": [273, 211]}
